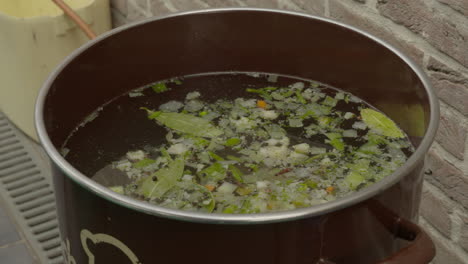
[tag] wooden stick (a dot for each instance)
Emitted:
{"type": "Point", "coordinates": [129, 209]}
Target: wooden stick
{"type": "Point", "coordinates": [77, 19]}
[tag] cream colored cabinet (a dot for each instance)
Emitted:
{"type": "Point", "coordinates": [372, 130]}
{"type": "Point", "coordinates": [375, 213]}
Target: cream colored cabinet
{"type": "Point", "coordinates": [35, 36]}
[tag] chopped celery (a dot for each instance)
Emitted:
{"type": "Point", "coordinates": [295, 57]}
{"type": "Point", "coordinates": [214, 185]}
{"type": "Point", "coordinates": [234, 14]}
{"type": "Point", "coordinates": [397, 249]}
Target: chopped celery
{"type": "Point", "coordinates": [236, 173]}
{"type": "Point", "coordinates": [214, 156]}
{"type": "Point", "coordinates": [117, 189]}
{"type": "Point", "coordinates": [354, 179]}
{"type": "Point", "coordinates": [232, 142]}
{"type": "Point", "coordinates": [336, 140]}
{"type": "Point", "coordinates": [143, 163]}
{"type": "Point", "coordinates": [159, 87]}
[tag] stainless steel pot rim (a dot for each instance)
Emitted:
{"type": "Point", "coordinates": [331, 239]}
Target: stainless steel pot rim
{"type": "Point", "coordinates": [318, 210]}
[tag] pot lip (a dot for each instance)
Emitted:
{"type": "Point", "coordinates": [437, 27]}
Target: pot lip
{"type": "Point", "coordinates": [216, 218]}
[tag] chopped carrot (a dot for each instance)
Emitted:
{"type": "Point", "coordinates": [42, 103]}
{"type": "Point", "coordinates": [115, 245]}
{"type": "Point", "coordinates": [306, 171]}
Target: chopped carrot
{"type": "Point", "coordinates": [283, 171]}
{"type": "Point", "coordinates": [330, 189]}
{"type": "Point", "coordinates": [261, 104]}
{"type": "Point", "coordinates": [210, 187]}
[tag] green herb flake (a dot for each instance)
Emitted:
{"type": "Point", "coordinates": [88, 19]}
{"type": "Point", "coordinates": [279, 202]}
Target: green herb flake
{"type": "Point", "coordinates": [234, 158]}
{"type": "Point", "coordinates": [215, 172]}
{"type": "Point", "coordinates": [143, 163]}
{"type": "Point", "coordinates": [354, 179]}
{"type": "Point", "coordinates": [263, 92]}
{"type": "Point", "coordinates": [232, 142]}
{"type": "Point", "coordinates": [211, 205]}
{"type": "Point", "coordinates": [159, 87]}
{"type": "Point", "coordinates": [236, 173]}
{"type": "Point", "coordinates": [117, 189]}
{"type": "Point", "coordinates": [231, 209]}
{"type": "Point", "coordinates": [330, 101]}
{"type": "Point", "coordinates": [336, 140]}
{"type": "Point", "coordinates": [380, 123]}
{"type": "Point", "coordinates": [300, 97]}
{"type": "Point", "coordinates": [214, 156]}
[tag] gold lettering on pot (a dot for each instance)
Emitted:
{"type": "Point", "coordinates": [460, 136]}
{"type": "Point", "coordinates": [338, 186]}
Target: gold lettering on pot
{"type": "Point", "coordinates": [104, 238]}
{"type": "Point", "coordinates": [69, 259]}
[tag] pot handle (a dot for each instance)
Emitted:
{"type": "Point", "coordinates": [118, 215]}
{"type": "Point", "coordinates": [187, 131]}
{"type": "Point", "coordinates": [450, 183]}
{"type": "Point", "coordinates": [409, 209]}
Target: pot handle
{"type": "Point", "coordinates": [421, 250]}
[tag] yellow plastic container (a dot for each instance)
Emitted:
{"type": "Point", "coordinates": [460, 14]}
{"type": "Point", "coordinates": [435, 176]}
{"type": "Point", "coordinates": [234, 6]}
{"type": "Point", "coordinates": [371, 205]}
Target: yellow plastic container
{"type": "Point", "coordinates": [35, 36]}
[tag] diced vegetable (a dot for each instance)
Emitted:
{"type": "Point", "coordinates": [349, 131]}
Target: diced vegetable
{"type": "Point", "coordinates": [261, 104]}
{"type": "Point", "coordinates": [117, 189]}
{"type": "Point", "coordinates": [236, 173]}
{"type": "Point", "coordinates": [354, 179]}
{"type": "Point", "coordinates": [232, 142]}
{"type": "Point", "coordinates": [159, 87]}
{"type": "Point", "coordinates": [336, 140]}
{"type": "Point", "coordinates": [143, 163]}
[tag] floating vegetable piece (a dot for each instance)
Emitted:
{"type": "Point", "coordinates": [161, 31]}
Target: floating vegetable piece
{"type": "Point", "coordinates": [165, 154]}
{"type": "Point", "coordinates": [214, 156]}
{"type": "Point", "coordinates": [354, 179]}
{"type": "Point", "coordinates": [311, 184]}
{"type": "Point", "coordinates": [300, 98]}
{"type": "Point", "coordinates": [210, 203]}
{"type": "Point", "coordinates": [232, 142]}
{"type": "Point", "coordinates": [330, 101]}
{"type": "Point", "coordinates": [117, 189]}
{"type": "Point", "coordinates": [236, 173]}
{"type": "Point", "coordinates": [380, 123]}
{"type": "Point", "coordinates": [166, 179]}
{"type": "Point", "coordinates": [336, 140]}
{"type": "Point", "coordinates": [231, 209]}
{"type": "Point", "coordinates": [263, 93]}
{"type": "Point", "coordinates": [210, 187]}
{"type": "Point", "coordinates": [186, 123]}
{"type": "Point", "coordinates": [159, 87]}
{"type": "Point", "coordinates": [143, 163]}
{"type": "Point", "coordinates": [214, 173]}
{"type": "Point", "coordinates": [261, 104]}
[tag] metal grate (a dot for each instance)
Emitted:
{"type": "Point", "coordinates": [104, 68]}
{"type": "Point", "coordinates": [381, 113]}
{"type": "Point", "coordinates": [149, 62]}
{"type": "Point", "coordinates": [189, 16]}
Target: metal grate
{"type": "Point", "coordinates": [26, 189]}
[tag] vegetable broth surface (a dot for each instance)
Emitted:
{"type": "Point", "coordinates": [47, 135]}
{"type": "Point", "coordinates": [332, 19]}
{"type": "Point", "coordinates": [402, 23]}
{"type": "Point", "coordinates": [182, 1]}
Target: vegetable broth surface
{"type": "Point", "coordinates": [239, 143]}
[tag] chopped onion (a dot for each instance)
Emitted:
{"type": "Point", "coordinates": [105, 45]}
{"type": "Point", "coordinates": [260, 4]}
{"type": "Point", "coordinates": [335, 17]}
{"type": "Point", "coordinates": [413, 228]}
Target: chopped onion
{"type": "Point", "coordinates": [298, 85]}
{"type": "Point", "coordinates": [348, 115]}
{"type": "Point", "coordinates": [136, 155]}
{"type": "Point", "coordinates": [350, 133]}
{"type": "Point", "coordinates": [192, 95]}
{"type": "Point", "coordinates": [269, 114]}
{"type": "Point", "coordinates": [177, 149]}
{"type": "Point", "coordinates": [227, 187]}
{"type": "Point", "coordinates": [359, 125]}
{"type": "Point", "coordinates": [171, 106]}
{"type": "Point", "coordinates": [302, 148]}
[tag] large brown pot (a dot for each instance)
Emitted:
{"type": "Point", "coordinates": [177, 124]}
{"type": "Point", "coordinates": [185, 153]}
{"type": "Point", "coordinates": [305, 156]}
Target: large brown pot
{"type": "Point", "coordinates": [100, 226]}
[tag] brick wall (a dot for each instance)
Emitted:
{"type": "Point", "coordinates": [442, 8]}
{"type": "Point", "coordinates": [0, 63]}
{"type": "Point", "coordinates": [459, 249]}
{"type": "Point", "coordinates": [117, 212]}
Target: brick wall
{"type": "Point", "coordinates": [432, 32]}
